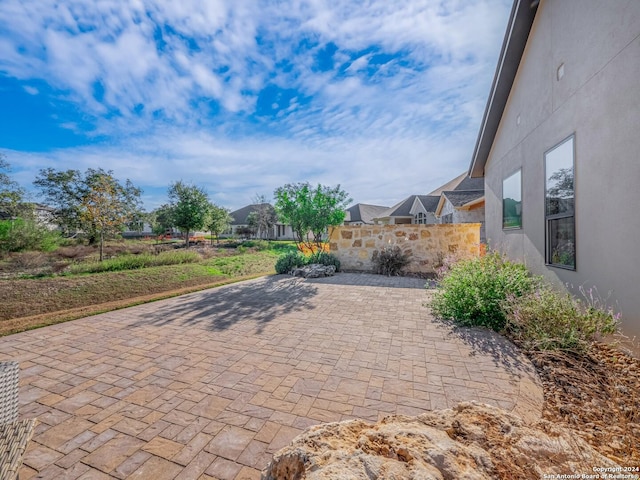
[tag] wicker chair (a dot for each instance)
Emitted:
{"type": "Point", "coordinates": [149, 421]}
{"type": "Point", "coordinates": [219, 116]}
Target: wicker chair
{"type": "Point", "coordinates": [14, 434]}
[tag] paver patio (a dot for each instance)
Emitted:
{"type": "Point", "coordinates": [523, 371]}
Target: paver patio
{"type": "Point", "coordinates": [211, 384]}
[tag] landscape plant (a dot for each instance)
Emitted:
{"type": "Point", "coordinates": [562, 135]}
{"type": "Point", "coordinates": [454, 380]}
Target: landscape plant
{"type": "Point", "coordinates": [189, 207]}
{"type": "Point", "coordinates": [546, 319]}
{"type": "Point", "coordinates": [292, 260]}
{"type": "Point", "coordinates": [473, 291]}
{"type": "Point", "coordinates": [289, 261]}
{"type": "Point", "coordinates": [24, 234]}
{"type": "Point", "coordinates": [218, 221]}
{"type": "Point", "coordinates": [310, 211]}
{"type": "Point", "coordinates": [390, 260]}
{"type": "Point", "coordinates": [93, 202]}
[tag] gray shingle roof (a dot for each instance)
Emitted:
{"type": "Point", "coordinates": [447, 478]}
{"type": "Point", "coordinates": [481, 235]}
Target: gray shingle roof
{"type": "Point", "coordinates": [403, 208]}
{"type": "Point", "coordinates": [469, 183]}
{"type": "Point", "coordinates": [429, 202]}
{"type": "Point", "coordinates": [400, 209]}
{"type": "Point", "coordinates": [459, 199]}
{"type": "Point", "coordinates": [362, 212]}
{"type": "Point", "coordinates": [240, 216]}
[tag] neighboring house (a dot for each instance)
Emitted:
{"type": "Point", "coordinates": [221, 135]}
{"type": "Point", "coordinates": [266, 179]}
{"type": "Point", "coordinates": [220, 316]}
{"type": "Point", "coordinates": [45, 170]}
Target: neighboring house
{"type": "Point", "coordinates": [240, 222]}
{"type": "Point", "coordinates": [43, 215]}
{"type": "Point", "coordinates": [363, 214]}
{"type": "Point", "coordinates": [460, 200]}
{"type": "Point", "coordinates": [463, 204]}
{"type": "Point", "coordinates": [558, 146]}
{"type": "Point", "coordinates": [143, 230]}
{"type": "Point", "coordinates": [413, 209]}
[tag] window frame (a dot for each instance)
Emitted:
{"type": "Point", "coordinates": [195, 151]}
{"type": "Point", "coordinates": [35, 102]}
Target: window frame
{"type": "Point", "coordinates": [564, 215]}
{"type": "Point", "coordinates": [516, 227]}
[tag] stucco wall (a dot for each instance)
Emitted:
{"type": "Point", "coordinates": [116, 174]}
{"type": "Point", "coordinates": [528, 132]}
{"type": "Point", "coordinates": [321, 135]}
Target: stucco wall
{"type": "Point", "coordinates": [427, 244]}
{"type": "Point", "coordinates": [597, 99]}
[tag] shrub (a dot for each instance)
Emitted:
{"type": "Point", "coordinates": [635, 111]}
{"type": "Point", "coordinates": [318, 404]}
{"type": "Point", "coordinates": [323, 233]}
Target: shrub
{"type": "Point", "coordinates": [324, 258]}
{"type": "Point", "coordinates": [545, 319]}
{"type": "Point", "coordinates": [390, 260]}
{"type": "Point", "coordinates": [132, 262]}
{"type": "Point", "coordinates": [473, 290]}
{"type": "Point", "coordinates": [26, 234]}
{"type": "Point", "coordinates": [289, 261]}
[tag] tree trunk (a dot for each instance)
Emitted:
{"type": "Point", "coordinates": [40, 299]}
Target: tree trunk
{"type": "Point", "coordinates": [186, 239]}
{"type": "Point", "coordinates": [101, 245]}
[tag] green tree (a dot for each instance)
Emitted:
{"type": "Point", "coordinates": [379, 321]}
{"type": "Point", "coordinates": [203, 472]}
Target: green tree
{"type": "Point", "coordinates": [219, 220]}
{"type": "Point", "coordinates": [161, 220]}
{"type": "Point", "coordinates": [311, 210]}
{"type": "Point", "coordinates": [189, 206]}
{"type": "Point", "coordinates": [11, 194]}
{"type": "Point", "coordinates": [95, 202]}
{"type": "Point", "coordinates": [107, 205]}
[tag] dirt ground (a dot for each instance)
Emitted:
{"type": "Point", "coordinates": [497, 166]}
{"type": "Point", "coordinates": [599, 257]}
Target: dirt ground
{"type": "Point", "coordinates": [597, 395]}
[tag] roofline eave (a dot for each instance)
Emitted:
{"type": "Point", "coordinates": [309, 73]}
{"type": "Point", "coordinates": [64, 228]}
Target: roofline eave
{"type": "Point", "coordinates": [521, 19]}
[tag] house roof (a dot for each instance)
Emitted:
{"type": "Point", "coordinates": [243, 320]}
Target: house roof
{"type": "Point", "coordinates": [520, 21]}
{"type": "Point", "coordinates": [400, 209]}
{"type": "Point", "coordinates": [362, 212]}
{"type": "Point", "coordinates": [403, 208]}
{"type": "Point", "coordinates": [429, 202]}
{"type": "Point", "coordinates": [459, 199]}
{"type": "Point", "coordinates": [240, 216]}
{"type": "Point", "coordinates": [469, 184]}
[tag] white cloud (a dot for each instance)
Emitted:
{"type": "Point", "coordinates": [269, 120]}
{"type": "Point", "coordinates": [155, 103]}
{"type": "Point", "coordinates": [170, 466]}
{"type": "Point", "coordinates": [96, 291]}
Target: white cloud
{"type": "Point", "coordinates": [405, 129]}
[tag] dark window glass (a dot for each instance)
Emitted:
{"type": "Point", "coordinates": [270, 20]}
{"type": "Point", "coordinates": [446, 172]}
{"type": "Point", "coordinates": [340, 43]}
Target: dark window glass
{"type": "Point", "coordinates": [562, 245]}
{"type": "Point", "coordinates": [512, 201]}
{"type": "Point", "coordinates": [560, 205]}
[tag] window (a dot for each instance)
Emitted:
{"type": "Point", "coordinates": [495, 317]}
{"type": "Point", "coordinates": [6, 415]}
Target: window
{"type": "Point", "coordinates": [448, 218]}
{"type": "Point", "coordinates": [560, 205]}
{"type": "Point", "coordinates": [512, 201]}
{"type": "Point", "coordinates": [420, 218]}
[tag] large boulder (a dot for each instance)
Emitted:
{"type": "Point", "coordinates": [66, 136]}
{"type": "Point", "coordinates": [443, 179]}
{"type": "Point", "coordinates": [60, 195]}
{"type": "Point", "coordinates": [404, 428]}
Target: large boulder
{"type": "Point", "coordinates": [471, 441]}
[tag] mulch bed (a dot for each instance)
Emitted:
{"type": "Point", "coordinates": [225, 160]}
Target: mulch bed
{"type": "Point", "coordinates": [597, 395]}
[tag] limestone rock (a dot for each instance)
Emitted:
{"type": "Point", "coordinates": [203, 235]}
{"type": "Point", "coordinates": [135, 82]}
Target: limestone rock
{"type": "Point", "coordinates": [315, 270]}
{"type": "Point", "coordinates": [470, 441]}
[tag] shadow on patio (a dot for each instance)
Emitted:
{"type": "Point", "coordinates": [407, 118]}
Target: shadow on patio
{"type": "Point", "coordinates": [488, 342]}
{"type": "Point", "coordinates": [218, 309]}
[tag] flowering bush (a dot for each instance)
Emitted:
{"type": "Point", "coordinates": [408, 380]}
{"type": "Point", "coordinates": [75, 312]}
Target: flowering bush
{"type": "Point", "coordinates": [545, 319]}
{"type": "Point", "coordinates": [471, 291]}
{"type": "Point", "coordinates": [313, 249]}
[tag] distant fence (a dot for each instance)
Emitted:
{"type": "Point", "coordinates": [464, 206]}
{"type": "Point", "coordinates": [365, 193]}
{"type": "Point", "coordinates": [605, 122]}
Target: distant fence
{"type": "Point", "coordinates": [427, 245]}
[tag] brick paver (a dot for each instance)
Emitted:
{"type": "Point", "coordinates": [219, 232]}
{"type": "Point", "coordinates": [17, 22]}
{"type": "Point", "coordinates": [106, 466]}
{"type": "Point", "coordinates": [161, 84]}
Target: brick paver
{"type": "Point", "coordinates": [211, 384]}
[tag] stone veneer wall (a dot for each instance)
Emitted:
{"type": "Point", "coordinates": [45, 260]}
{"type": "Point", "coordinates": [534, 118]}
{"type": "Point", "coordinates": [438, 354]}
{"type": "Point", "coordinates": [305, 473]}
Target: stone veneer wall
{"type": "Point", "coordinates": [427, 244]}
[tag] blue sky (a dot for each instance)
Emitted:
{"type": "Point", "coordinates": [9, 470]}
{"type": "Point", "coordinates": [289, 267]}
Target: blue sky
{"type": "Point", "coordinates": [382, 97]}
